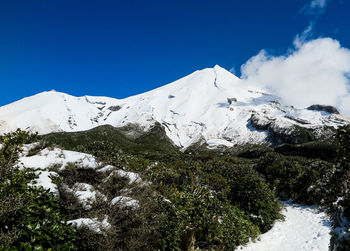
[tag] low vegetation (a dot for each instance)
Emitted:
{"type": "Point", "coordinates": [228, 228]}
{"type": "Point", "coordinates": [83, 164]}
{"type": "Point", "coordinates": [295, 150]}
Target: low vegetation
{"type": "Point", "coordinates": [200, 199]}
{"type": "Point", "coordinates": [30, 216]}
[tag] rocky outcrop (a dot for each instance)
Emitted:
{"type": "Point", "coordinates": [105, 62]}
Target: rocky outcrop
{"type": "Point", "coordinates": [281, 132]}
{"type": "Point", "coordinates": [260, 122]}
{"type": "Point", "coordinates": [114, 108]}
{"type": "Point", "coordinates": [231, 100]}
{"type": "Point", "coordinates": [324, 108]}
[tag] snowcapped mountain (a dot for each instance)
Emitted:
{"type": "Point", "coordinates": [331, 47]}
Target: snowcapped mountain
{"type": "Point", "coordinates": [211, 104]}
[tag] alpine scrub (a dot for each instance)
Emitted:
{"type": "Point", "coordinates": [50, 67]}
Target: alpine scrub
{"type": "Point", "coordinates": [30, 216]}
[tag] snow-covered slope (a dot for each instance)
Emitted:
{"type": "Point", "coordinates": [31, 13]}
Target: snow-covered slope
{"type": "Point", "coordinates": [211, 104]}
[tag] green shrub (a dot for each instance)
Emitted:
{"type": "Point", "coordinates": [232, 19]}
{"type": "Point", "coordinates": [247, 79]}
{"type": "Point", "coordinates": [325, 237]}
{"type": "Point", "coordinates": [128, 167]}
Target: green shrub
{"type": "Point", "coordinates": [30, 216]}
{"type": "Point", "coordinates": [195, 217]}
{"type": "Point", "coordinates": [34, 215]}
{"type": "Point", "coordinates": [340, 211]}
{"type": "Point", "coordinates": [73, 174]}
{"type": "Point", "coordinates": [304, 180]}
{"type": "Point", "coordinates": [249, 191]}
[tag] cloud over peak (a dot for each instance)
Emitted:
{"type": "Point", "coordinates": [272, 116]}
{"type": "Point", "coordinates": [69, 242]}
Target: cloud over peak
{"type": "Point", "coordinates": [313, 72]}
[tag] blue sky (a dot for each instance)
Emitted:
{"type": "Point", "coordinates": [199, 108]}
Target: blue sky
{"type": "Point", "coordinates": [121, 48]}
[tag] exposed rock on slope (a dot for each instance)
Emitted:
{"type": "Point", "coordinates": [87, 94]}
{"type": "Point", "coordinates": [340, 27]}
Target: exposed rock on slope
{"type": "Point", "coordinates": [325, 108]}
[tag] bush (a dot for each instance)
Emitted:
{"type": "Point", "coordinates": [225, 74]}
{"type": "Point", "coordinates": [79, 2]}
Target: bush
{"type": "Point", "coordinates": [195, 217]}
{"type": "Point", "coordinates": [33, 214]}
{"type": "Point", "coordinates": [30, 216]}
{"type": "Point", "coordinates": [73, 174]}
{"type": "Point", "coordinates": [249, 191]}
{"type": "Point", "coordinates": [303, 180]}
{"type": "Point", "coordinates": [340, 210]}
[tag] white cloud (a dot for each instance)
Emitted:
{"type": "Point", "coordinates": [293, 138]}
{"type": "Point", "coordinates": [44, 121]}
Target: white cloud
{"type": "Point", "coordinates": [320, 4]}
{"type": "Point", "coordinates": [314, 7]}
{"type": "Point", "coordinates": [307, 33]}
{"type": "Point", "coordinates": [314, 72]}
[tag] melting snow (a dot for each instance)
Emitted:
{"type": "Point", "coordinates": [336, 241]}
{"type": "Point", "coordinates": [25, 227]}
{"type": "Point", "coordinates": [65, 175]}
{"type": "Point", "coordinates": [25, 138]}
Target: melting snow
{"type": "Point", "coordinates": [124, 201]}
{"type": "Point", "coordinates": [28, 147]}
{"type": "Point", "coordinates": [131, 176]}
{"type": "Point", "coordinates": [93, 224]}
{"type": "Point", "coordinates": [44, 180]}
{"type": "Point", "coordinates": [105, 169]}
{"type": "Point", "coordinates": [85, 193]}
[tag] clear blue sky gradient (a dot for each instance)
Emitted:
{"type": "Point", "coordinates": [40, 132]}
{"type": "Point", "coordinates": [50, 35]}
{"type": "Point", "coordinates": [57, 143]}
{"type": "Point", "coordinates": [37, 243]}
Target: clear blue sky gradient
{"type": "Point", "coordinates": [121, 48]}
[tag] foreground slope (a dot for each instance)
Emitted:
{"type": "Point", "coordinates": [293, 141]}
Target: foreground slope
{"type": "Point", "coordinates": [211, 105]}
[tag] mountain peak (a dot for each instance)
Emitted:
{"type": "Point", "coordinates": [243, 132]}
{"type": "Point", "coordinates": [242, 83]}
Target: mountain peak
{"type": "Point", "coordinates": [225, 73]}
{"type": "Point", "coordinates": [218, 67]}
{"type": "Point", "coordinates": [211, 103]}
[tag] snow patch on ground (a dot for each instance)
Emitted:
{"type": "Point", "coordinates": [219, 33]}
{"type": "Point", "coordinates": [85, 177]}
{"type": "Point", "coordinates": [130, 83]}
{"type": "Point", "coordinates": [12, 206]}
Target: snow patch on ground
{"type": "Point", "coordinates": [48, 158]}
{"type": "Point", "coordinates": [212, 143]}
{"type": "Point", "coordinates": [105, 169]}
{"type": "Point", "coordinates": [131, 176]}
{"type": "Point", "coordinates": [85, 193]}
{"type": "Point", "coordinates": [124, 201]}
{"type": "Point", "coordinates": [61, 158]}
{"type": "Point", "coordinates": [44, 180]}
{"type": "Point", "coordinates": [93, 224]}
{"type": "Point", "coordinates": [305, 228]}
{"type": "Point", "coordinates": [26, 148]}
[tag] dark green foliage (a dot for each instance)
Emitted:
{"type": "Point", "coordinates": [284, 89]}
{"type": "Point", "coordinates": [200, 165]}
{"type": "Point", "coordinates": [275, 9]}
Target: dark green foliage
{"type": "Point", "coordinates": [89, 240]}
{"type": "Point", "coordinates": [30, 217]}
{"type": "Point", "coordinates": [325, 150]}
{"type": "Point", "coordinates": [235, 179]}
{"type": "Point", "coordinates": [138, 229]}
{"type": "Point", "coordinates": [113, 140]}
{"type": "Point", "coordinates": [195, 217]}
{"type": "Point", "coordinates": [33, 214]}
{"type": "Point", "coordinates": [302, 134]}
{"type": "Point", "coordinates": [73, 174]}
{"type": "Point", "coordinates": [182, 182]}
{"type": "Point", "coordinates": [303, 180]}
{"type": "Point", "coordinates": [249, 191]}
{"type": "Point", "coordinates": [341, 210]}
{"type": "Point", "coordinates": [11, 147]}
{"type": "Point", "coordinates": [114, 185]}
{"type": "Point", "coordinates": [252, 151]}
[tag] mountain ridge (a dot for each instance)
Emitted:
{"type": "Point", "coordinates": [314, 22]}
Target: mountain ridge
{"type": "Point", "coordinates": [210, 104]}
